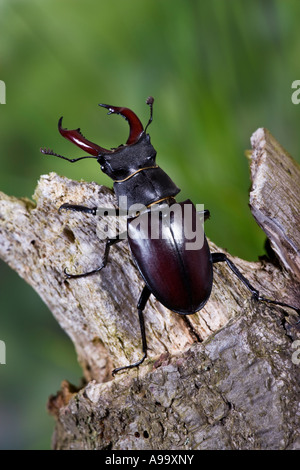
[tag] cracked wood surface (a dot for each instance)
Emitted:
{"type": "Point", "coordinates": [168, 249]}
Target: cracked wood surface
{"type": "Point", "coordinates": [222, 378]}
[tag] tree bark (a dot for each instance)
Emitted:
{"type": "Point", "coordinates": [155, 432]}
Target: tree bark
{"type": "Point", "coordinates": [223, 378]}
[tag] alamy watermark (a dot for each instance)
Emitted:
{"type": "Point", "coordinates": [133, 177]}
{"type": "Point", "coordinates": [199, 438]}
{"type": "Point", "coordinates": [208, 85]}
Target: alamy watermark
{"type": "Point", "coordinates": [296, 354]}
{"type": "Point", "coordinates": [2, 352]}
{"type": "Point", "coordinates": [296, 94]}
{"type": "Point", "coordinates": [2, 92]}
{"type": "Point", "coordinates": [183, 220]}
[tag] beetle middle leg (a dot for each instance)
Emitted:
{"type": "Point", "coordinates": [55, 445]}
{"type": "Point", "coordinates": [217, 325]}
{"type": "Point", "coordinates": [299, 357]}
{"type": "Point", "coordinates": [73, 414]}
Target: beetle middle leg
{"type": "Point", "coordinates": [140, 307]}
{"type": "Point", "coordinates": [109, 243]}
{"type": "Point", "coordinates": [221, 257]}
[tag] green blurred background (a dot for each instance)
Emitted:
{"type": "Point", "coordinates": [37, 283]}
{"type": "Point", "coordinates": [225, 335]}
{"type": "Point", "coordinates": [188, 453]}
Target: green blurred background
{"type": "Point", "coordinates": [218, 70]}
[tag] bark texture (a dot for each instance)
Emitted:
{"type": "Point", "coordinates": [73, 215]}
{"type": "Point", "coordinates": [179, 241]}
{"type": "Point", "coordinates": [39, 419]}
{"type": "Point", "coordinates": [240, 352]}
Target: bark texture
{"type": "Point", "coordinates": [223, 378]}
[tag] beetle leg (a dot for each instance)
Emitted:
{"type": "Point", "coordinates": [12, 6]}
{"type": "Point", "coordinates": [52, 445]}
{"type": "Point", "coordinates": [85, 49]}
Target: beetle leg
{"type": "Point", "coordinates": [78, 208]}
{"type": "Point", "coordinates": [220, 257]}
{"type": "Point", "coordinates": [140, 306]}
{"type": "Point", "coordinates": [109, 243]}
{"type": "Point", "coordinates": [205, 213]}
{"type": "Point", "coordinates": [100, 211]}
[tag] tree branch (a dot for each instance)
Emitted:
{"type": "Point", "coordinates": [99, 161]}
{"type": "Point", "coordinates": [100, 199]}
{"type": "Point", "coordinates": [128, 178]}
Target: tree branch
{"type": "Point", "coordinates": [210, 377]}
{"type": "Point", "coordinates": [275, 198]}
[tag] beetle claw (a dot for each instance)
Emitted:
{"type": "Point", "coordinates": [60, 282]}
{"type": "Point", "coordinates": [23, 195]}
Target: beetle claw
{"type": "Point", "coordinates": [68, 276]}
{"type": "Point", "coordinates": [63, 206]}
{"type": "Point", "coordinates": [107, 106]}
{"type": "Point", "coordinates": [136, 127]}
{"type": "Point", "coordinates": [78, 139]}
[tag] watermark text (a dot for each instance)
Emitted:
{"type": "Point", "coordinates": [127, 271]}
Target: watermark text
{"type": "Point", "coordinates": [296, 94]}
{"type": "Point", "coordinates": [2, 352]}
{"type": "Point", "coordinates": [296, 354]}
{"type": "Point", "coordinates": [2, 92]}
{"type": "Point", "coordinates": [182, 221]}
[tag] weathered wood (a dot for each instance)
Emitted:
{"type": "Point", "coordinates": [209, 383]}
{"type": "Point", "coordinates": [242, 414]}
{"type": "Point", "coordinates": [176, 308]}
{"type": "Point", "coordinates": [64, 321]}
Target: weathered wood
{"type": "Point", "coordinates": [205, 371]}
{"type": "Point", "coordinates": [275, 198]}
{"type": "Point", "coordinates": [237, 390]}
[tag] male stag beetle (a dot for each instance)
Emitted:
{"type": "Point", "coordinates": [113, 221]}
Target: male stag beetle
{"type": "Point", "coordinates": [180, 278]}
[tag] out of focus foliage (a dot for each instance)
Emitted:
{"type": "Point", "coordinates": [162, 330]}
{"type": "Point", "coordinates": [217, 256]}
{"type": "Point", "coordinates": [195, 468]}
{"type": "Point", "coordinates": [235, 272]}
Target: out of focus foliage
{"type": "Point", "coordinates": [218, 70]}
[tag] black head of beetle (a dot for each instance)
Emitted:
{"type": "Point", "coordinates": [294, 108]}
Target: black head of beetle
{"type": "Point", "coordinates": [126, 159]}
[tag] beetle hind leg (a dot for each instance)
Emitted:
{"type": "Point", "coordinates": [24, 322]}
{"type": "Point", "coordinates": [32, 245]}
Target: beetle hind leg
{"type": "Point", "coordinates": [221, 257]}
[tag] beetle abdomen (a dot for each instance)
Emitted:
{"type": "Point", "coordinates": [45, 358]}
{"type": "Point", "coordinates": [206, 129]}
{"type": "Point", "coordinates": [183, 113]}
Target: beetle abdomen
{"type": "Point", "coordinates": [173, 257]}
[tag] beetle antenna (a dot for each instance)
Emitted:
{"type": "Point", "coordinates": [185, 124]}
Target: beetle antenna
{"type": "Point", "coordinates": [150, 102]}
{"type": "Point", "coordinates": [72, 160]}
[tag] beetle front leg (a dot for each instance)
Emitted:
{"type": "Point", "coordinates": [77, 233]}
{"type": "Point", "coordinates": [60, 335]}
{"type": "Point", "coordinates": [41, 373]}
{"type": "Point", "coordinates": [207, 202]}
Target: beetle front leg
{"type": "Point", "coordinates": [140, 306]}
{"type": "Point", "coordinates": [78, 208]}
{"type": "Point", "coordinates": [100, 211]}
{"type": "Point", "coordinates": [221, 257]}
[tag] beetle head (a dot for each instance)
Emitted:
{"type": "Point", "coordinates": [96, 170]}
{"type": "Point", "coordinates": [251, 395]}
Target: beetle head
{"type": "Point", "coordinates": [118, 162]}
{"type": "Point", "coordinates": [127, 159]}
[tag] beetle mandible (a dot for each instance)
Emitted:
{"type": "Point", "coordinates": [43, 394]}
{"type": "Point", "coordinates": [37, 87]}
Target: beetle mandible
{"type": "Point", "coordinates": [180, 278]}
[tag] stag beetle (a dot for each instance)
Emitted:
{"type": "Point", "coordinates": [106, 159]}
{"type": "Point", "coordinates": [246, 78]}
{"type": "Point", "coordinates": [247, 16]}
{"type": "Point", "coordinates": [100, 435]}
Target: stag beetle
{"type": "Point", "coordinates": [180, 278]}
